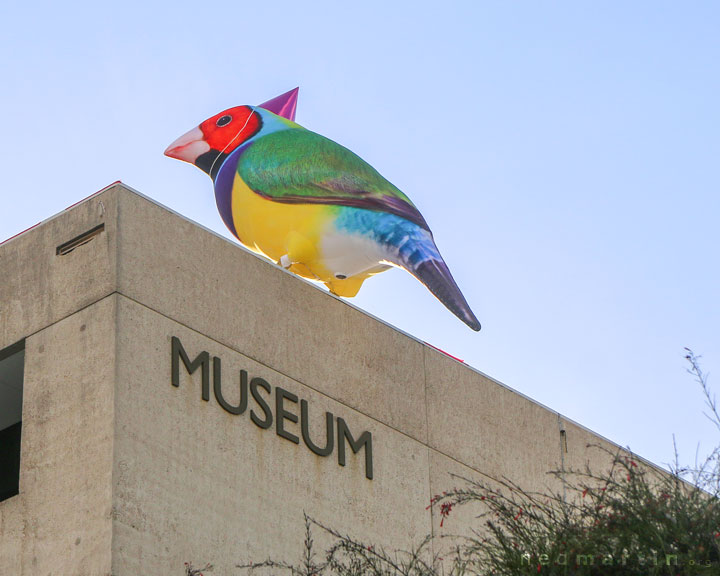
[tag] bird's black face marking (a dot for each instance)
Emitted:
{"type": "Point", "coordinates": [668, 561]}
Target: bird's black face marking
{"type": "Point", "coordinates": [224, 120]}
{"type": "Point", "coordinates": [211, 160]}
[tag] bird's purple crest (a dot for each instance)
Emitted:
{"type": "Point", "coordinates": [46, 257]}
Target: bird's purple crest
{"type": "Point", "coordinates": [283, 105]}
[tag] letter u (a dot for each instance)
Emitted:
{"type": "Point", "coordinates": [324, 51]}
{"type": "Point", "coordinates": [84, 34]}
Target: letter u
{"type": "Point", "coordinates": [217, 386]}
{"type": "Point", "coordinates": [329, 427]}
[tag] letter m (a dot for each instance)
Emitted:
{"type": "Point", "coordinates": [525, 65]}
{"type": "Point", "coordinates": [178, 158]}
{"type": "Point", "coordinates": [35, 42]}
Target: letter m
{"type": "Point", "coordinates": [584, 560]}
{"type": "Point", "coordinates": [202, 360]}
{"type": "Point", "coordinates": [364, 440]}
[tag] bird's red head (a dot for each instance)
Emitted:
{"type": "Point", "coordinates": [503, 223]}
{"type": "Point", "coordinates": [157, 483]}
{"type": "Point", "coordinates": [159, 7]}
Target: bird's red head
{"type": "Point", "coordinates": [210, 143]}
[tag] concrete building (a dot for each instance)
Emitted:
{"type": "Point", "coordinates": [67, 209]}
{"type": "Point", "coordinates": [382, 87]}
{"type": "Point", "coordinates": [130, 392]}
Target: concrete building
{"type": "Point", "coordinates": [167, 396]}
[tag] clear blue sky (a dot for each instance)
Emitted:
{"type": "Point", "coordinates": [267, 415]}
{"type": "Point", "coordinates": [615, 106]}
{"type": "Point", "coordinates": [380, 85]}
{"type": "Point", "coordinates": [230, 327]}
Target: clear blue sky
{"type": "Point", "coordinates": [565, 155]}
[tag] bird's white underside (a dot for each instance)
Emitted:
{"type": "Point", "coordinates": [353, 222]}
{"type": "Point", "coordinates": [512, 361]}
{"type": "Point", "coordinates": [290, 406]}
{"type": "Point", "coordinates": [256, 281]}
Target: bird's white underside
{"type": "Point", "coordinates": [350, 254]}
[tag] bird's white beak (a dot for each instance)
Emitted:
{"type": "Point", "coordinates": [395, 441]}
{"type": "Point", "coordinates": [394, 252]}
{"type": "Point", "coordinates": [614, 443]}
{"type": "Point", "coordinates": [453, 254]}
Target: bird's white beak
{"type": "Point", "coordinates": [189, 146]}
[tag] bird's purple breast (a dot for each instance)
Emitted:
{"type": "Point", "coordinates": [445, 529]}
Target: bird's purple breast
{"type": "Point", "coordinates": [224, 186]}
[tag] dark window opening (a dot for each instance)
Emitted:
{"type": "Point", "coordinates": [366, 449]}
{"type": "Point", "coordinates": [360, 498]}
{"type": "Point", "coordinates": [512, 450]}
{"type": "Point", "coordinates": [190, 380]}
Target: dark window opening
{"type": "Point", "coordinates": [12, 367]}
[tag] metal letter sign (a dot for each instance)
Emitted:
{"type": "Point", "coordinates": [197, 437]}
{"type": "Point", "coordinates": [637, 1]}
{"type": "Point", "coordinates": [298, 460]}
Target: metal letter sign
{"type": "Point", "coordinates": [261, 413]}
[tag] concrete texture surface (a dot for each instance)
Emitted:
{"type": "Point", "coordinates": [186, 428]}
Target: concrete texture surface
{"type": "Point", "coordinates": [60, 523]}
{"type": "Point", "coordinates": [39, 287]}
{"type": "Point", "coordinates": [488, 426]}
{"type": "Point", "coordinates": [124, 473]}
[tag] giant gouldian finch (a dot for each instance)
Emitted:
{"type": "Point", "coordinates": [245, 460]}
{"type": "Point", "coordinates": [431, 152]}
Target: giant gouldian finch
{"type": "Point", "coordinates": [313, 206]}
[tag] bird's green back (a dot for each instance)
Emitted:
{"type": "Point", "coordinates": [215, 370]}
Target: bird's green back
{"type": "Point", "coordinates": [300, 166]}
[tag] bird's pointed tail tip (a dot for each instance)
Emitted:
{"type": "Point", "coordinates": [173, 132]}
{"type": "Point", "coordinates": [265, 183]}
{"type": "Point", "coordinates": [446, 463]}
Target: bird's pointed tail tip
{"type": "Point", "coordinates": [437, 278]}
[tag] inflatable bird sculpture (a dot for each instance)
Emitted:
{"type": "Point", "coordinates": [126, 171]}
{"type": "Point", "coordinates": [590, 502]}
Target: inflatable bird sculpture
{"type": "Point", "coordinates": [311, 205]}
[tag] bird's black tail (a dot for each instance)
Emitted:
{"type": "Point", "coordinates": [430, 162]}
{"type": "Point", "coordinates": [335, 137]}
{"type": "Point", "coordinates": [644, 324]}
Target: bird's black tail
{"type": "Point", "coordinates": [437, 278]}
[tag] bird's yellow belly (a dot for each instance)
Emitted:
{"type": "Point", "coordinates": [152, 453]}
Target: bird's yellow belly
{"type": "Point", "coordinates": [301, 232]}
{"type": "Point", "coordinates": [274, 229]}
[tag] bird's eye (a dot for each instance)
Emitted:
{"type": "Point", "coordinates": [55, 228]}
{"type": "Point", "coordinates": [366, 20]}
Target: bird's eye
{"type": "Point", "coordinates": [224, 120]}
